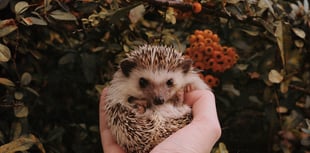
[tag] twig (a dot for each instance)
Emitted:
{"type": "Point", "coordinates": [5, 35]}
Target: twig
{"type": "Point", "coordinates": [300, 89]}
{"type": "Point", "coordinates": [207, 9]}
{"type": "Point", "coordinates": [176, 4]}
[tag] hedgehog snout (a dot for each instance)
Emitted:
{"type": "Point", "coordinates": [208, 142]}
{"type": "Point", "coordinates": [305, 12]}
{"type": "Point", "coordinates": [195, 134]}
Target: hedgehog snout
{"type": "Point", "coordinates": [158, 100]}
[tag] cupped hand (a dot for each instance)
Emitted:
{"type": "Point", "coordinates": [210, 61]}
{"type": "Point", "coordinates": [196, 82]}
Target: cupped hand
{"type": "Point", "coordinates": [197, 137]}
{"type": "Point", "coordinates": [108, 143]}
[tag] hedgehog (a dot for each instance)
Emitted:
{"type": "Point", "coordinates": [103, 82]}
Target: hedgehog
{"type": "Point", "coordinates": [145, 99]}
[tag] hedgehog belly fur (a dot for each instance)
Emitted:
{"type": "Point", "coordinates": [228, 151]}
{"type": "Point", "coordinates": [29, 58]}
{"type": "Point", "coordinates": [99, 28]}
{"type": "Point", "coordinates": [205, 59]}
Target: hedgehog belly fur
{"type": "Point", "coordinates": [140, 134]}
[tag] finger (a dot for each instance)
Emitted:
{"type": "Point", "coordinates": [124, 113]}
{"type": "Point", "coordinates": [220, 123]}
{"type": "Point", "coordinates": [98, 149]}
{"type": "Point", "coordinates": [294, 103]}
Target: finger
{"type": "Point", "coordinates": [204, 112]}
{"type": "Point", "coordinates": [101, 109]}
{"type": "Point", "coordinates": [108, 143]}
{"type": "Point", "coordinates": [202, 133]}
{"type": "Point", "coordinates": [202, 102]}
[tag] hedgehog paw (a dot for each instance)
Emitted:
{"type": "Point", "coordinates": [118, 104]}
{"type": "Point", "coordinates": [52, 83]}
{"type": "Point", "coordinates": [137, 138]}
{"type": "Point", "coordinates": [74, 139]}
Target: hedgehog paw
{"type": "Point", "coordinates": [139, 105]}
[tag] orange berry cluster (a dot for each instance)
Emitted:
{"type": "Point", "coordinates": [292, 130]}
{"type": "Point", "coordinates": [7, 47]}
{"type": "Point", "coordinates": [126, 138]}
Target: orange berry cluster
{"type": "Point", "coordinates": [208, 54]}
{"type": "Point", "coordinates": [211, 80]}
{"type": "Point", "coordinates": [196, 8]}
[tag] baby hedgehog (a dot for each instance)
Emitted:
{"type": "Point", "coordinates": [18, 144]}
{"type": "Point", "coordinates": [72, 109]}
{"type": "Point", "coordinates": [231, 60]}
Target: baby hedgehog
{"type": "Point", "coordinates": [144, 103]}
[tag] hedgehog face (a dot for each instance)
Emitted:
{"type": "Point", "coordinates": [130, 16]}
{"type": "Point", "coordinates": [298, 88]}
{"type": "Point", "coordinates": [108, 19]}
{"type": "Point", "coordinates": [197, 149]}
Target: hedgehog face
{"type": "Point", "coordinates": [157, 86]}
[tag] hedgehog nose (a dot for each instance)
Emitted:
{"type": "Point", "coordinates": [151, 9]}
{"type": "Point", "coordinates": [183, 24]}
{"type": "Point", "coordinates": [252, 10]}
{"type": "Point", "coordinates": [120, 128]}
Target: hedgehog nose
{"type": "Point", "coordinates": [158, 100]}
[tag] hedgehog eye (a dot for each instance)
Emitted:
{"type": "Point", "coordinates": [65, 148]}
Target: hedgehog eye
{"type": "Point", "coordinates": [169, 83]}
{"type": "Point", "coordinates": [143, 82]}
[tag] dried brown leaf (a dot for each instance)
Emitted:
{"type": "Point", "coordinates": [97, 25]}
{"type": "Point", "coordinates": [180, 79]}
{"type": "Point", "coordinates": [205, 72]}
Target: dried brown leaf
{"type": "Point", "coordinates": [7, 26]}
{"type": "Point", "coordinates": [34, 20]}
{"type": "Point", "coordinates": [7, 82]}
{"type": "Point", "coordinates": [22, 143]}
{"type": "Point", "coordinates": [284, 86]}
{"type": "Point", "coordinates": [254, 75]}
{"type": "Point", "coordinates": [281, 109]}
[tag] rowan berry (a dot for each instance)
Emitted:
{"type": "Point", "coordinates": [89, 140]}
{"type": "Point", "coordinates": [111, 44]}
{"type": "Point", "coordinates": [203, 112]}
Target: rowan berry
{"type": "Point", "coordinates": [196, 6]}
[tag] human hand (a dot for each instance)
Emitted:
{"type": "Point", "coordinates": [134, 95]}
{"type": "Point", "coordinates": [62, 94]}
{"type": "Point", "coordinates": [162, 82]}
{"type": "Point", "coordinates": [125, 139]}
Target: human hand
{"type": "Point", "coordinates": [108, 143]}
{"type": "Point", "coordinates": [197, 137]}
{"type": "Point", "coordinates": [202, 133]}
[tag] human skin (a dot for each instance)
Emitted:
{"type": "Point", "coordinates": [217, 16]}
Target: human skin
{"type": "Point", "coordinates": [197, 137]}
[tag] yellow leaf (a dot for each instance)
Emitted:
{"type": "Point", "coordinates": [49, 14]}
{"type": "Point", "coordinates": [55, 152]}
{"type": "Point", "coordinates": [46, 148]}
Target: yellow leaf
{"type": "Point", "coordinates": [22, 143]}
{"type": "Point", "coordinates": [26, 78]}
{"type": "Point", "coordinates": [170, 16]}
{"type": "Point", "coordinates": [299, 32]}
{"type": "Point", "coordinates": [33, 91]}
{"type": "Point", "coordinates": [6, 82]}
{"type": "Point", "coordinates": [21, 7]}
{"type": "Point", "coordinates": [284, 86]}
{"type": "Point", "coordinates": [5, 53]}
{"type": "Point", "coordinates": [16, 129]}
{"type": "Point", "coordinates": [100, 88]}
{"type": "Point", "coordinates": [18, 95]}
{"type": "Point", "coordinates": [21, 111]}
{"type": "Point", "coordinates": [221, 148]}
{"type": "Point", "coordinates": [136, 13]}
{"type": "Point", "coordinates": [284, 41]}
{"type": "Point", "coordinates": [274, 76]}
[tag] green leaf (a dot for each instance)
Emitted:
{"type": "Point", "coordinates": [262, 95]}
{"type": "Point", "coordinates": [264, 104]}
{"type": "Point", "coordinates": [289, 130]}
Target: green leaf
{"type": "Point", "coordinates": [121, 13]}
{"type": "Point", "coordinates": [33, 91]}
{"type": "Point", "coordinates": [284, 41]}
{"type": "Point", "coordinates": [5, 53]}
{"type": "Point", "coordinates": [21, 7]}
{"type": "Point", "coordinates": [26, 78]}
{"type": "Point", "coordinates": [230, 89]}
{"type": "Point", "coordinates": [61, 15]}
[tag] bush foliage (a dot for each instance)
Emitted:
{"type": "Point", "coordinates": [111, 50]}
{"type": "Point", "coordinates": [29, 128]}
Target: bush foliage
{"type": "Point", "coordinates": [56, 56]}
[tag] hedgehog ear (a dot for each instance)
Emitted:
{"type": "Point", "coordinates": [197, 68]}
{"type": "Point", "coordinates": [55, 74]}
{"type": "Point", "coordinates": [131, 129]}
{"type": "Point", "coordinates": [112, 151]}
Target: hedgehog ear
{"type": "Point", "coordinates": [127, 66]}
{"type": "Point", "coordinates": [186, 65]}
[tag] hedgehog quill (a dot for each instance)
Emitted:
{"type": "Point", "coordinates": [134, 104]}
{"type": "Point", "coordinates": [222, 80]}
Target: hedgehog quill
{"type": "Point", "coordinates": [144, 103]}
